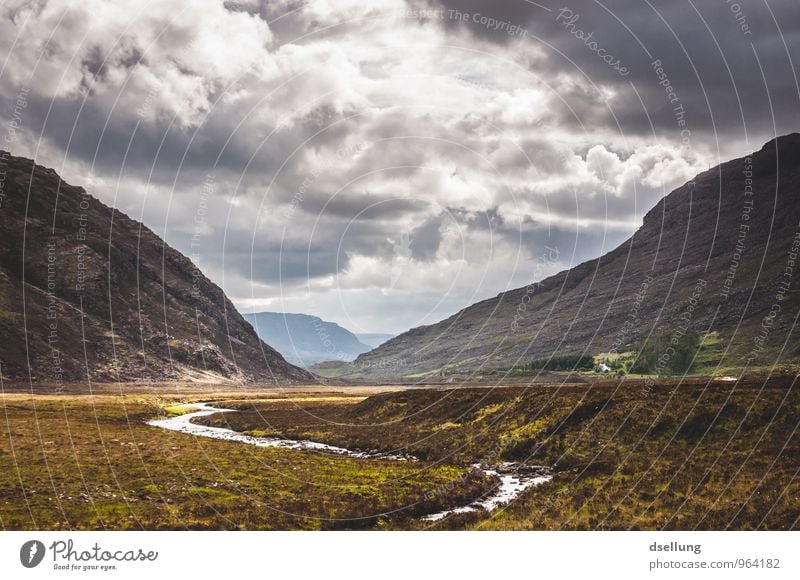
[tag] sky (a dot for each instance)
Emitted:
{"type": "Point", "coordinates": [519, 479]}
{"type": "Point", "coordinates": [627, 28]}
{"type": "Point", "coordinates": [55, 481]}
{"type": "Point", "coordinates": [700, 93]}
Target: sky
{"type": "Point", "coordinates": [384, 164]}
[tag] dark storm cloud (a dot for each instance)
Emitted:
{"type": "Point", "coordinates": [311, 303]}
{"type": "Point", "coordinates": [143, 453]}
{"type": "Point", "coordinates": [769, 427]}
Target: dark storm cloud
{"type": "Point", "coordinates": [712, 53]}
{"type": "Point", "coordinates": [290, 264]}
{"type": "Point", "coordinates": [224, 143]}
{"type": "Point", "coordinates": [516, 12]}
{"type": "Point", "coordinates": [362, 206]}
{"type": "Point", "coordinates": [282, 258]}
{"type": "Point", "coordinates": [335, 132]}
{"type": "Point", "coordinates": [426, 239]}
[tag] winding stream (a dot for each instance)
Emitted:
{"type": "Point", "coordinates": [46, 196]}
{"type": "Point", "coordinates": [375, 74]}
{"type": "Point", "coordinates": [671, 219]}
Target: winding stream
{"type": "Point", "coordinates": [513, 478]}
{"type": "Point", "coordinates": [512, 483]}
{"type": "Point", "coordinates": [183, 424]}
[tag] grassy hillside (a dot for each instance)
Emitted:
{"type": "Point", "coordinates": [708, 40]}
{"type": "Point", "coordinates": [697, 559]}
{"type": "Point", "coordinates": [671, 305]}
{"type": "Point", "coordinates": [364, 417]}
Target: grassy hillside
{"type": "Point", "coordinates": [714, 256]}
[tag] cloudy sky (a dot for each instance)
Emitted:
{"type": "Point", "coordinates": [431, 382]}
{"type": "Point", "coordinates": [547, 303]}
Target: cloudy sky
{"type": "Point", "coordinates": [383, 164]}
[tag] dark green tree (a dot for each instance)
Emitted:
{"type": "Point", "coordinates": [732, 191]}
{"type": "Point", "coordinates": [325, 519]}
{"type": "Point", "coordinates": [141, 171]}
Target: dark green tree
{"type": "Point", "coordinates": [667, 354]}
{"type": "Point", "coordinates": [566, 362]}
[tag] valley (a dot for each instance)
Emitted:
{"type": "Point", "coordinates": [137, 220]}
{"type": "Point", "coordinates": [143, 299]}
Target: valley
{"type": "Point", "coordinates": [644, 390]}
{"type": "Point", "coordinates": [622, 455]}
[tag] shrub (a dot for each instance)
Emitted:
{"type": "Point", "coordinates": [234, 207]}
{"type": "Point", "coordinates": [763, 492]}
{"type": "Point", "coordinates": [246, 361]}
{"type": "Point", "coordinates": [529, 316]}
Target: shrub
{"type": "Point", "coordinates": [567, 362]}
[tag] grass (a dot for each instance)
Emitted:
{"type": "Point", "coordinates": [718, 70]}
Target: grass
{"type": "Point", "coordinates": [626, 455]}
{"type": "Point", "coordinates": [177, 411]}
{"type": "Point", "coordinates": [82, 462]}
{"type": "Point", "coordinates": [699, 453]}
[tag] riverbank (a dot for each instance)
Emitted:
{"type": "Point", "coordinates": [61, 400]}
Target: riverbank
{"type": "Point", "coordinates": [511, 479]}
{"type": "Point", "coordinates": [705, 455]}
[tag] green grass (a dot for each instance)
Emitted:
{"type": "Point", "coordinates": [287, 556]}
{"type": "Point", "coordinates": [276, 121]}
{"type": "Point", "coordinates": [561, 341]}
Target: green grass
{"type": "Point", "coordinates": [699, 453]}
{"type": "Point", "coordinates": [81, 462]}
{"type": "Point", "coordinates": [177, 411]}
{"type": "Point", "coordinates": [626, 455]}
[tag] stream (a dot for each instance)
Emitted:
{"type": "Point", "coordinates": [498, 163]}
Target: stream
{"type": "Point", "coordinates": [183, 424]}
{"type": "Point", "coordinates": [514, 479]}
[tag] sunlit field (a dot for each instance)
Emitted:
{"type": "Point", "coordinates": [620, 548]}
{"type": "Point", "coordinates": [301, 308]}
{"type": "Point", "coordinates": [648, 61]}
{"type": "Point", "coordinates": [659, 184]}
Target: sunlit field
{"type": "Point", "coordinates": [705, 455]}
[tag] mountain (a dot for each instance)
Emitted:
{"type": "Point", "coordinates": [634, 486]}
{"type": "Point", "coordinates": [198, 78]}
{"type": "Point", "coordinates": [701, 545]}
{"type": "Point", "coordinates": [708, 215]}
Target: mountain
{"type": "Point", "coordinates": [88, 293]}
{"type": "Point", "coordinates": [714, 256]}
{"type": "Point", "coordinates": [306, 340]}
{"type": "Point", "coordinates": [374, 339]}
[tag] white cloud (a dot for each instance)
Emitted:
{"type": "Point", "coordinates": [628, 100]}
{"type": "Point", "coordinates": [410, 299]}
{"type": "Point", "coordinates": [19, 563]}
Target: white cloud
{"type": "Point", "coordinates": [355, 126]}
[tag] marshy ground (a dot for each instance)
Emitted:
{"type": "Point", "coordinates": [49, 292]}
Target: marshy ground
{"type": "Point", "coordinates": [697, 454]}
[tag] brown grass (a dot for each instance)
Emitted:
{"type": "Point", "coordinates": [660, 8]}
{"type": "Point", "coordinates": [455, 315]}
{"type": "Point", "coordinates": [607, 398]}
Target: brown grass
{"type": "Point", "coordinates": [704, 455]}
{"type": "Point", "coordinates": [701, 454]}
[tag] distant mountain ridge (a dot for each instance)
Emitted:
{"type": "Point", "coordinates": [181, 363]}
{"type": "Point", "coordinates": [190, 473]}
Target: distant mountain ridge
{"type": "Point", "coordinates": [306, 340]}
{"type": "Point", "coordinates": [88, 293]}
{"type": "Point", "coordinates": [716, 255]}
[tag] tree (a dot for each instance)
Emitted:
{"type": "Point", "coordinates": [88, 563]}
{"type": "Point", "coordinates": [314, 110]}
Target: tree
{"type": "Point", "coordinates": [686, 346]}
{"type": "Point", "coordinates": [566, 362]}
{"type": "Point", "coordinates": [668, 354]}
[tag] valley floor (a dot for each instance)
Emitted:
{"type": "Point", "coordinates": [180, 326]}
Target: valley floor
{"type": "Point", "coordinates": [624, 455]}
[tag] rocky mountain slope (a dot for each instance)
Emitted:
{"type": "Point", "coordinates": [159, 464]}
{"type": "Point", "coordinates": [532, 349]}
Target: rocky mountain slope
{"type": "Point", "coordinates": [306, 340]}
{"type": "Point", "coordinates": [717, 255]}
{"type": "Point", "coordinates": [374, 339]}
{"type": "Point", "coordinates": [87, 292]}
